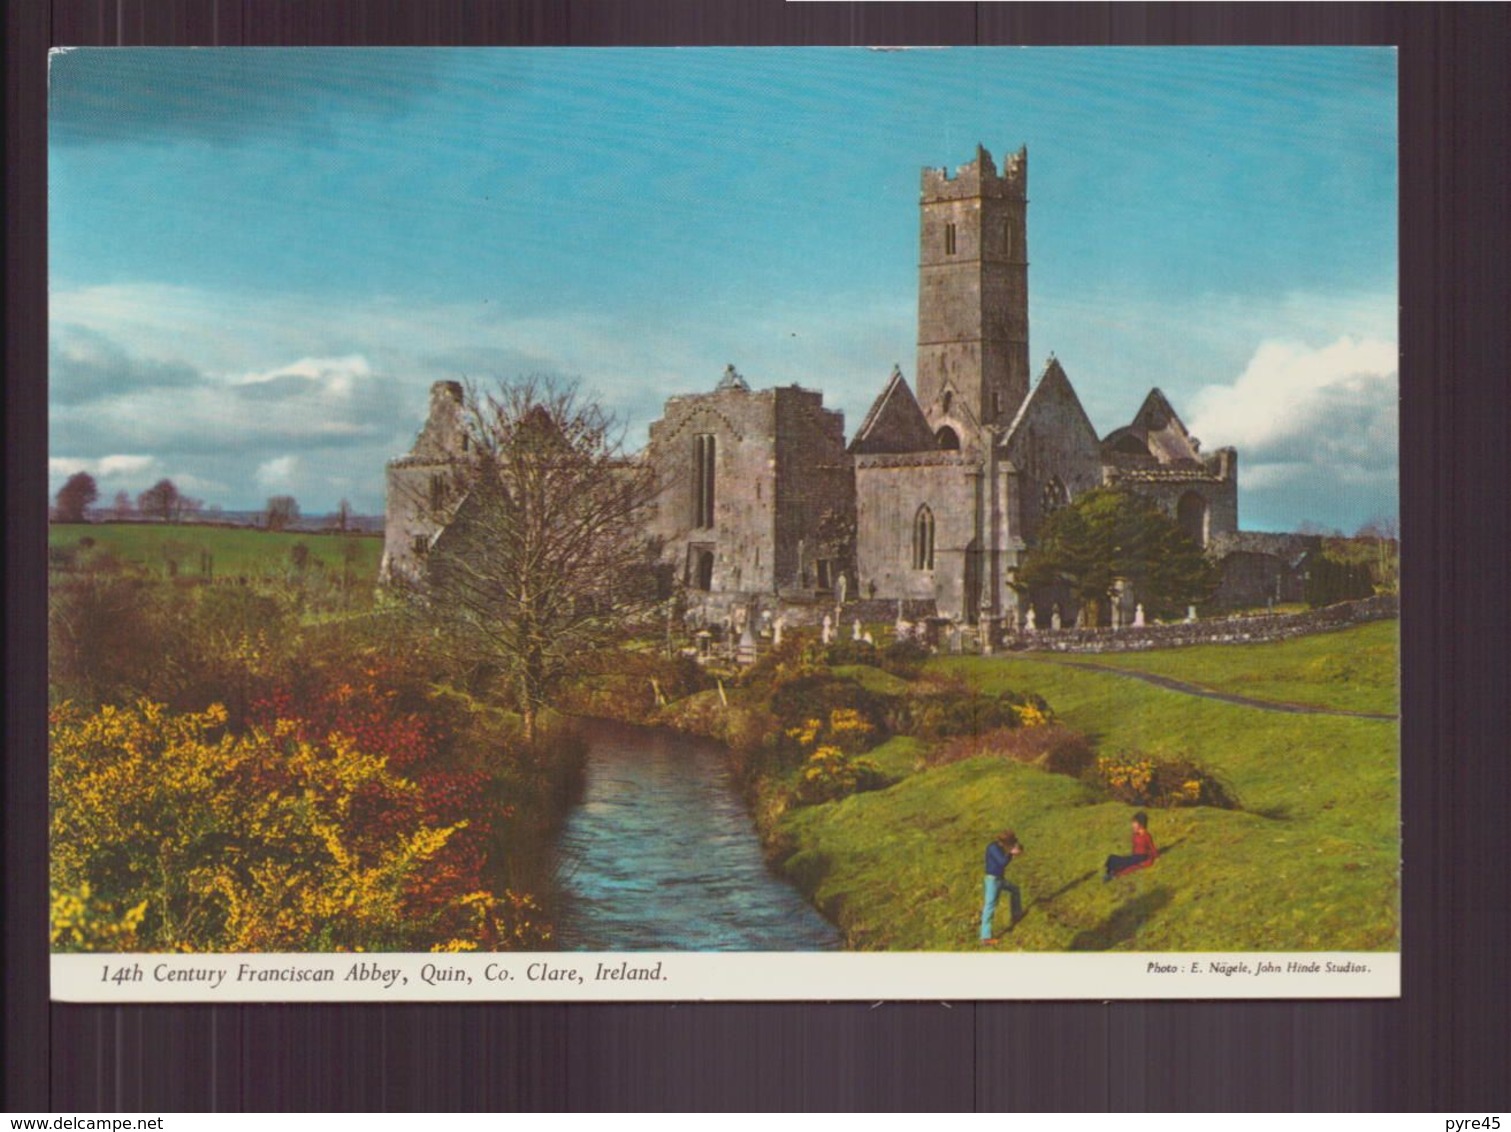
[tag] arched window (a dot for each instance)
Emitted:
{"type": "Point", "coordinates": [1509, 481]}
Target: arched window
{"type": "Point", "coordinates": [1191, 514]}
{"type": "Point", "coordinates": [1052, 497]}
{"type": "Point", "coordinates": [948, 440]}
{"type": "Point", "coordinates": [923, 539]}
{"type": "Point", "coordinates": [703, 480]}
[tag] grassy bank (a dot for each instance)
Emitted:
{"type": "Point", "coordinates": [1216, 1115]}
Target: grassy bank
{"type": "Point", "coordinates": [1309, 861]}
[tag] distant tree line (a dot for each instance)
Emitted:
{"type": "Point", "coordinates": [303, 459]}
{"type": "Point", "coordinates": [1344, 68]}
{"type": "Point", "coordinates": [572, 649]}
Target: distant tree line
{"type": "Point", "coordinates": [164, 502]}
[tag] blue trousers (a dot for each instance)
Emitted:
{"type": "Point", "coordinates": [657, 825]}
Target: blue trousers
{"type": "Point", "coordinates": [995, 887]}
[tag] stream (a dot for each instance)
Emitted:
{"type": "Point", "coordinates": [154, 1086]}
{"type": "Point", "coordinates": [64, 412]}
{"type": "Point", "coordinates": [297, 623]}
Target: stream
{"type": "Point", "coordinates": [661, 855]}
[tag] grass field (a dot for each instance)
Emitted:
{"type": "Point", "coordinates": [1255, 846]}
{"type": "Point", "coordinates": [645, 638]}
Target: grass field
{"type": "Point", "coordinates": [1353, 670]}
{"type": "Point", "coordinates": [1310, 862]}
{"type": "Point", "coordinates": [234, 552]}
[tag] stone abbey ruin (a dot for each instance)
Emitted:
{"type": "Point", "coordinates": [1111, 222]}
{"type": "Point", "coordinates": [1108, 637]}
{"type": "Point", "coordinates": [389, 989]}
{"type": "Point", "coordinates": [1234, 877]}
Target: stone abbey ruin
{"type": "Point", "coordinates": [931, 504]}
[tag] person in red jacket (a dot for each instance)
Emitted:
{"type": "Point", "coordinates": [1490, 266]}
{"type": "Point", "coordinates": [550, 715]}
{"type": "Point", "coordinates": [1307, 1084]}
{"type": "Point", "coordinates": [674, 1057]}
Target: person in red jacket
{"type": "Point", "coordinates": [1144, 851]}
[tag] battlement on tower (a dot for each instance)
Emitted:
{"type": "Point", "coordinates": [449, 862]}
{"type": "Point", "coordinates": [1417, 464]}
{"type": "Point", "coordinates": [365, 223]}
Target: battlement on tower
{"type": "Point", "coordinates": [980, 178]}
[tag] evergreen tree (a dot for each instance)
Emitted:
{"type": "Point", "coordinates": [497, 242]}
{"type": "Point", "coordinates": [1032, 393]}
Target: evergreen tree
{"type": "Point", "coordinates": [1108, 534]}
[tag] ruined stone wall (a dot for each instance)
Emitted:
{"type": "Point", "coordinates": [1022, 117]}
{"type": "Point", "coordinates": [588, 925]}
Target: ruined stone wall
{"type": "Point", "coordinates": [814, 488]}
{"type": "Point", "coordinates": [1216, 481]}
{"type": "Point", "coordinates": [1250, 579]}
{"type": "Point", "coordinates": [418, 484]}
{"type": "Point", "coordinates": [889, 490]}
{"type": "Point", "coordinates": [1210, 631]}
{"type": "Point", "coordinates": [743, 425]}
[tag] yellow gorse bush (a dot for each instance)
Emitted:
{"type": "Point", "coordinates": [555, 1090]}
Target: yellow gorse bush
{"type": "Point", "coordinates": [171, 834]}
{"type": "Point", "coordinates": [1161, 781]}
{"type": "Point", "coordinates": [1131, 774]}
{"type": "Point", "coordinates": [831, 770]}
{"type": "Point", "coordinates": [1031, 715]}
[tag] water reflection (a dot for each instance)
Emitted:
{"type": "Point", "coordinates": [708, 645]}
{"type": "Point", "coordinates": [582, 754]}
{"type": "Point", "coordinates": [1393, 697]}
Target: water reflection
{"type": "Point", "coordinates": [661, 855]}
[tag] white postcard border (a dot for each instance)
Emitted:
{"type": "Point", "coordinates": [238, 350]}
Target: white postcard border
{"type": "Point", "coordinates": [720, 976]}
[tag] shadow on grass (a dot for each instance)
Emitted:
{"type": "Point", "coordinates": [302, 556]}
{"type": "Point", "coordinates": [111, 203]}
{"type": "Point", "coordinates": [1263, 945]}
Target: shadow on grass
{"type": "Point", "coordinates": [1066, 887]}
{"type": "Point", "coordinates": [1123, 924]}
{"type": "Point", "coordinates": [1273, 813]}
{"type": "Point", "coordinates": [1165, 851]}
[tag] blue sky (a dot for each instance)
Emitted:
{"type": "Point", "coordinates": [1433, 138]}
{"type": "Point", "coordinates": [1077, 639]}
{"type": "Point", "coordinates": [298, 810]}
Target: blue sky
{"type": "Point", "coordinates": [261, 259]}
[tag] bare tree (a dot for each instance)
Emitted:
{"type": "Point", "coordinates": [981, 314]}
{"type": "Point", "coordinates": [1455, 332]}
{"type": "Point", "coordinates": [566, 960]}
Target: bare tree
{"type": "Point", "coordinates": [161, 499]}
{"type": "Point", "coordinates": [75, 497]}
{"type": "Point", "coordinates": [542, 556]}
{"type": "Point", "coordinates": [343, 516]}
{"type": "Point", "coordinates": [282, 511]}
{"type": "Point", "coordinates": [122, 506]}
{"type": "Point", "coordinates": [188, 507]}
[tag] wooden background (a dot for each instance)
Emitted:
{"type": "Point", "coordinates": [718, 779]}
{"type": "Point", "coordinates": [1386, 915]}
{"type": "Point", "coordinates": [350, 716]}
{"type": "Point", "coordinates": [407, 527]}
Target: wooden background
{"type": "Point", "coordinates": [1442, 1047]}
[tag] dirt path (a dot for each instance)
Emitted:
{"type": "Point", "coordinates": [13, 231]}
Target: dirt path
{"type": "Point", "coordinates": [1226, 697]}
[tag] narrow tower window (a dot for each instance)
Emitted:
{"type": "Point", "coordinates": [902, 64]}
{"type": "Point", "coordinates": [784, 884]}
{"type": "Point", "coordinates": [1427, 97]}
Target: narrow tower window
{"type": "Point", "coordinates": [1052, 497]}
{"type": "Point", "coordinates": [923, 539]}
{"type": "Point", "coordinates": [703, 480]}
{"type": "Point", "coordinates": [949, 239]}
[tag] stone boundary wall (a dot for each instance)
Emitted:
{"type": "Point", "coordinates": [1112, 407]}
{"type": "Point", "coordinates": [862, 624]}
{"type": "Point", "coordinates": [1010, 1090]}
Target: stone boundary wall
{"type": "Point", "coordinates": [1212, 631]}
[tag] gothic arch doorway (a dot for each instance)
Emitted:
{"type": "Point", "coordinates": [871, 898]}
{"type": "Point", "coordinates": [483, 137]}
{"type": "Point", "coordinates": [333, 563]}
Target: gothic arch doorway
{"type": "Point", "coordinates": [1193, 515]}
{"type": "Point", "coordinates": [700, 568]}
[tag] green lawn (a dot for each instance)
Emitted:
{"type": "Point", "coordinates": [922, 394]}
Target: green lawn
{"type": "Point", "coordinates": [1309, 863]}
{"type": "Point", "coordinates": [1352, 669]}
{"type": "Point", "coordinates": [237, 552]}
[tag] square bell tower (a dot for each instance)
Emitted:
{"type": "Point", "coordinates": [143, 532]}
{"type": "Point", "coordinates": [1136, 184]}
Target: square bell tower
{"type": "Point", "coordinates": [973, 296]}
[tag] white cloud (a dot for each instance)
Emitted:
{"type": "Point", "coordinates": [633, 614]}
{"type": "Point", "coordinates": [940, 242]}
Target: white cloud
{"type": "Point", "coordinates": [1292, 392]}
{"type": "Point", "coordinates": [1315, 429]}
{"type": "Point", "coordinates": [126, 465]}
{"type": "Point", "coordinates": [333, 376]}
{"type": "Point", "coordinates": [278, 472]}
{"type": "Point", "coordinates": [107, 467]}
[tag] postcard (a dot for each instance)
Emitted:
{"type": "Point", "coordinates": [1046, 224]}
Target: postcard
{"type": "Point", "coordinates": [676, 524]}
